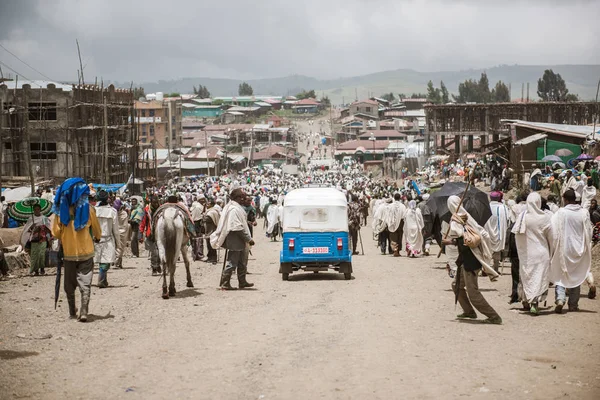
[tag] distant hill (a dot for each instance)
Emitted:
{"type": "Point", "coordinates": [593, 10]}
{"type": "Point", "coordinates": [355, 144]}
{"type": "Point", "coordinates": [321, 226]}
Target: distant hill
{"type": "Point", "coordinates": [580, 79]}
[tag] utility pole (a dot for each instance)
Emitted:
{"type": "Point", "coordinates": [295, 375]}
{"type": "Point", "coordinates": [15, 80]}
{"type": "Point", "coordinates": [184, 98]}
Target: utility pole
{"type": "Point", "coordinates": [28, 141]}
{"type": "Point", "coordinates": [206, 151]}
{"type": "Point", "coordinates": [251, 159]}
{"type": "Point", "coordinates": [155, 160]}
{"type": "Point", "coordinates": [105, 134]}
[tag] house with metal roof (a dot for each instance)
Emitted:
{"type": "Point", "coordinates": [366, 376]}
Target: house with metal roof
{"type": "Point", "coordinates": [532, 141]}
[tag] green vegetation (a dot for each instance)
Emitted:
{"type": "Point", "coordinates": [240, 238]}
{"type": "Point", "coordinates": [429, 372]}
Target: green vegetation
{"type": "Point", "coordinates": [245, 89]}
{"type": "Point", "coordinates": [202, 92]}
{"type": "Point", "coordinates": [306, 94]}
{"type": "Point", "coordinates": [552, 87]}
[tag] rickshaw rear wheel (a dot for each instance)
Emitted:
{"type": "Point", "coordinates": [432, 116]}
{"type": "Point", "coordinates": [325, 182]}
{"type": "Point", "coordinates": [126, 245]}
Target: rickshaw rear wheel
{"type": "Point", "coordinates": [347, 275]}
{"type": "Point", "coordinates": [285, 276]}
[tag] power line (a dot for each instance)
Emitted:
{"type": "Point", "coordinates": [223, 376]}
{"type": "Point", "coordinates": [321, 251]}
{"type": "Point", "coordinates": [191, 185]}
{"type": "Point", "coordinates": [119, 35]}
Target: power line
{"type": "Point", "coordinates": [18, 73]}
{"type": "Point", "coordinates": [15, 56]}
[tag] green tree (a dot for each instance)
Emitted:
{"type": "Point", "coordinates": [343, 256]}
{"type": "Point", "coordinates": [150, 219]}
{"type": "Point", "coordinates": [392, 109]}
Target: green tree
{"type": "Point", "coordinates": [325, 101]}
{"type": "Point", "coordinates": [202, 92]}
{"type": "Point", "coordinates": [445, 94]}
{"type": "Point", "coordinates": [174, 94]}
{"type": "Point", "coordinates": [217, 102]}
{"type": "Point", "coordinates": [306, 94]}
{"type": "Point", "coordinates": [552, 87]}
{"type": "Point", "coordinates": [483, 89]}
{"type": "Point", "coordinates": [138, 92]}
{"type": "Point", "coordinates": [433, 94]}
{"type": "Point", "coordinates": [571, 97]}
{"type": "Point", "coordinates": [418, 96]}
{"type": "Point", "coordinates": [500, 93]}
{"type": "Point", "coordinates": [468, 91]}
{"type": "Point", "coordinates": [245, 89]}
{"type": "Point", "coordinates": [389, 97]}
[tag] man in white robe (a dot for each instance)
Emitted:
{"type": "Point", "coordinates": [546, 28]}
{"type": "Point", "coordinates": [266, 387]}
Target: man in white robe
{"type": "Point", "coordinates": [497, 227]}
{"type": "Point", "coordinates": [395, 223]}
{"type": "Point", "coordinates": [572, 257]}
{"type": "Point", "coordinates": [588, 193]}
{"type": "Point", "coordinates": [533, 237]}
{"type": "Point", "coordinates": [413, 230]}
{"type": "Point", "coordinates": [570, 182]}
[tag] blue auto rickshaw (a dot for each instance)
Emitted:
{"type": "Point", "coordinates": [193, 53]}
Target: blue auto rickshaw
{"type": "Point", "coordinates": [315, 232]}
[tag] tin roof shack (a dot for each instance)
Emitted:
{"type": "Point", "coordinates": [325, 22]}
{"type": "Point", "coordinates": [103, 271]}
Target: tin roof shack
{"type": "Point", "coordinates": [532, 141]}
{"type": "Point", "coordinates": [369, 108]}
{"type": "Point", "coordinates": [73, 130]}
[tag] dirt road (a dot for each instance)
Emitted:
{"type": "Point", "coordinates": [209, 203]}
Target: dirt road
{"type": "Point", "coordinates": [388, 333]}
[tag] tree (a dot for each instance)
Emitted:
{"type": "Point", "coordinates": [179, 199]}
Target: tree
{"type": "Point", "coordinates": [306, 95]}
{"type": "Point", "coordinates": [202, 92]}
{"type": "Point", "coordinates": [445, 94]}
{"type": "Point", "coordinates": [468, 91]}
{"type": "Point", "coordinates": [138, 92]}
{"type": "Point", "coordinates": [483, 89]}
{"type": "Point", "coordinates": [571, 97]}
{"type": "Point", "coordinates": [389, 97]}
{"type": "Point", "coordinates": [217, 102]}
{"type": "Point", "coordinates": [245, 89]}
{"type": "Point", "coordinates": [325, 101]}
{"type": "Point", "coordinates": [174, 94]}
{"type": "Point", "coordinates": [552, 87]}
{"type": "Point", "coordinates": [500, 93]}
{"type": "Point", "coordinates": [433, 94]}
{"type": "Point", "coordinates": [418, 96]}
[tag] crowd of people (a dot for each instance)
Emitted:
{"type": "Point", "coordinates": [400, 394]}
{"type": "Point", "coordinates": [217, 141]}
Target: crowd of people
{"type": "Point", "coordinates": [547, 240]}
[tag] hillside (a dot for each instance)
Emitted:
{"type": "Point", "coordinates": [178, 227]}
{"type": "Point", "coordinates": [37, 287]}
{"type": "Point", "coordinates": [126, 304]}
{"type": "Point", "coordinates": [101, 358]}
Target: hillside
{"type": "Point", "coordinates": [581, 79]}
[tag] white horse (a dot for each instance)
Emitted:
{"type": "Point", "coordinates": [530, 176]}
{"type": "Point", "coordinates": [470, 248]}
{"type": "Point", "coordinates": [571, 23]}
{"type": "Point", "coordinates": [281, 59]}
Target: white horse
{"type": "Point", "coordinates": [171, 239]}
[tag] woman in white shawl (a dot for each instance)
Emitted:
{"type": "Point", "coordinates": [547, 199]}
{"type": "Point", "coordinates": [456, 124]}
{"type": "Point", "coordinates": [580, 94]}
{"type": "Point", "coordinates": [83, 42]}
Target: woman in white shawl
{"type": "Point", "coordinates": [413, 230]}
{"type": "Point", "coordinates": [483, 252]}
{"type": "Point", "coordinates": [273, 216]}
{"type": "Point", "coordinates": [533, 236]}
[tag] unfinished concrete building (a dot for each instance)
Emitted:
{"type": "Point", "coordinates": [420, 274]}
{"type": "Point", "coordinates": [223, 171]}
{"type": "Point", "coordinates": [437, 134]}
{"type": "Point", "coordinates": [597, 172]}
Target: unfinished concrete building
{"type": "Point", "coordinates": [66, 131]}
{"type": "Point", "coordinates": [453, 128]}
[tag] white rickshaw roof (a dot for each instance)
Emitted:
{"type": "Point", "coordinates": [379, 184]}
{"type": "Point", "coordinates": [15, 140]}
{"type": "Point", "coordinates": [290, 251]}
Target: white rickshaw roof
{"type": "Point", "coordinates": [315, 197]}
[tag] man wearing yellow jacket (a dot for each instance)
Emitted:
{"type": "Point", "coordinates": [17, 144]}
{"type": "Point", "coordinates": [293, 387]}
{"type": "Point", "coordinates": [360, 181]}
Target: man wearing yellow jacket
{"type": "Point", "coordinates": [76, 226]}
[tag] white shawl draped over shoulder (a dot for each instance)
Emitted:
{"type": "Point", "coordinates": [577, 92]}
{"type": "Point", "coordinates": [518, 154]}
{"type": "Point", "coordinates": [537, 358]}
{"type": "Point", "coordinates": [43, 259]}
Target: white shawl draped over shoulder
{"type": "Point", "coordinates": [497, 226]}
{"type": "Point", "coordinates": [572, 257]}
{"type": "Point", "coordinates": [533, 237]}
{"type": "Point", "coordinates": [233, 219]}
{"type": "Point", "coordinates": [483, 252]}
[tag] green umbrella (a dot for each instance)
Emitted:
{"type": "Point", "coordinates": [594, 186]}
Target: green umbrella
{"type": "Point", "coordinates": [22, 210]}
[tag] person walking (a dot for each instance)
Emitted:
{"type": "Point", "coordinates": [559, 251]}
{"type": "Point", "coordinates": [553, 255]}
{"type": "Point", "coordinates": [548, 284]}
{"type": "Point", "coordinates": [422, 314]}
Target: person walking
{"type": "Point", "coordinates": [413, 230]}
{"type": "Point", "coordinates": [533, 238]}
{"type": "Point", "coordinates": [76, 226]}
{"type": "Point", "coordinates": [572, 257]}
{"type": "Point", "coordinates": [395, 224]}
{"type": "Point", "coordinates": [106, 249]}
{"type": "Point", "coordinates": [469, 265]}
{"type": "Point", "coordinates": [38, 234]}
{"type": "Point", "coordinates": [198, 209]}
{"type": "Point", "coordinates": [212, 221]}
{"type": "Point", "coordinates": [497, 227]}
{"type": "Point", "coordinates": [233, 234]}
{"type": "Point", "coordinates": [354, 222]}
{"type": "Point", "coordinates": [147, 235]}
{"type": "Point", "coordinates": [135, 218]}
{"type": "Point", "coordinates": [123, 231]}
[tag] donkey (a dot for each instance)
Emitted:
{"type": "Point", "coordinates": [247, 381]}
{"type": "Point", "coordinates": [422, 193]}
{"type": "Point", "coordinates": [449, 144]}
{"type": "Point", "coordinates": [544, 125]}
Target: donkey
{"type": "Point", "coordinates": [171, 240]}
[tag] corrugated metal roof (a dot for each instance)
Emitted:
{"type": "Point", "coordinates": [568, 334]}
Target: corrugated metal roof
{"type": "Point", "coordinates": [530, 139]}
{"type": "Point", "coordinates": [581, 131]}
{"type": "Point", "coordinates": [188, 165]}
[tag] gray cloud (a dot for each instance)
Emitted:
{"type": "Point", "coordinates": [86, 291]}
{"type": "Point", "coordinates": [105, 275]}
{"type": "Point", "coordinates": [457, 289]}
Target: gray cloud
{"type": "Point", "coordinates": [147, 40]}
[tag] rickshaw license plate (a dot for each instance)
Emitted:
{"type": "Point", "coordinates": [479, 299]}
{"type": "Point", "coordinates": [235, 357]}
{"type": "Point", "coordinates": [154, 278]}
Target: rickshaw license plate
{"type": "Point", "coordinates": [315, 250]}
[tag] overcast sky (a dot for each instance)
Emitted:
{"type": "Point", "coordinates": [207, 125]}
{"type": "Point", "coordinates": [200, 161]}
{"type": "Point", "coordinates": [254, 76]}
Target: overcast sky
{"type": "Point", "coordinates": [148, 40]}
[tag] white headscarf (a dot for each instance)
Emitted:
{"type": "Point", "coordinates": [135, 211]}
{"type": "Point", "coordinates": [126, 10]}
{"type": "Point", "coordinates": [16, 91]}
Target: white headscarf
{"type": "Point", "coordinates": [534, 207]}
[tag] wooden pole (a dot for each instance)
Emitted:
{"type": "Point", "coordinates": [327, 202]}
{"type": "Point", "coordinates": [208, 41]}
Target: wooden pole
{"type": "Point", "coordinates": [458, 208]}
{"type": "Point", "coordinates": [80, 63]}
{"type": "Point", "coordinates": [28, 141]}
{"type": "Point", "coordinates": [155, 160]}
{"type": "Point", "coordinates": [1, 139]}
{"type": "Point", "coordinates": [105, 135]}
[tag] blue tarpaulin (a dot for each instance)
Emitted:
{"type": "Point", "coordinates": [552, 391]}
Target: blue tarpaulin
{"type": "Point", "coordinates": [113, 187]}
